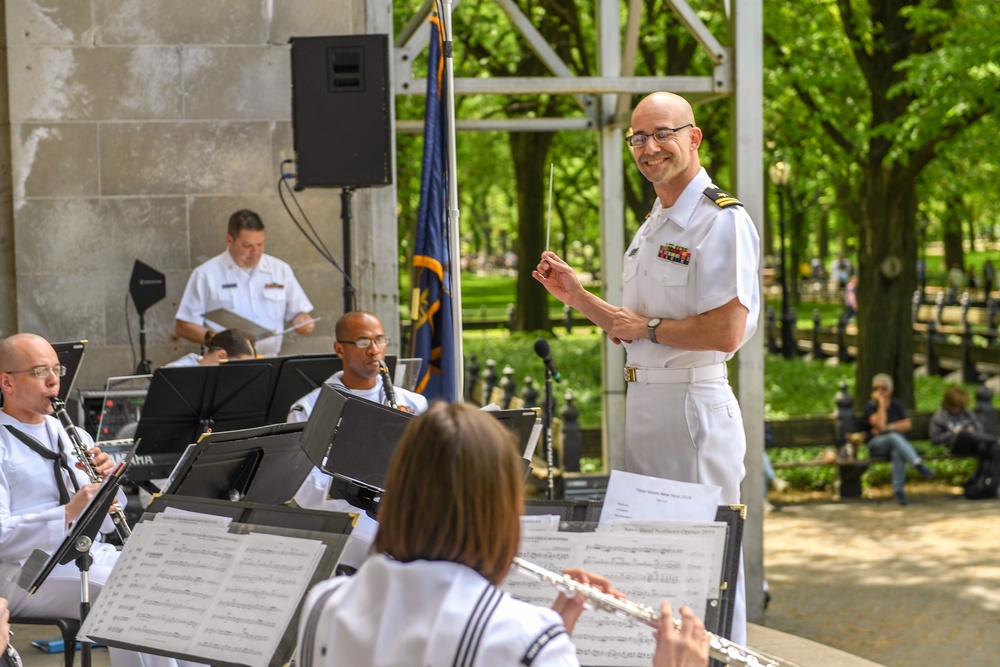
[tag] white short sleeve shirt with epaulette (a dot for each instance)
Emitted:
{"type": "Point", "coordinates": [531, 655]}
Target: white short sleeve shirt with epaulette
{"type": "Point", "coordinates": [269, 295]}
{"type": "Point", "coordinates": [686, 260]}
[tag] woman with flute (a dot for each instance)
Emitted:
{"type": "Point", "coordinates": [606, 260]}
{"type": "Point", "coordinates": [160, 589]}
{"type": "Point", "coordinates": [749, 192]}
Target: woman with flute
{"type": "Point", "coordinates": [449, 529]}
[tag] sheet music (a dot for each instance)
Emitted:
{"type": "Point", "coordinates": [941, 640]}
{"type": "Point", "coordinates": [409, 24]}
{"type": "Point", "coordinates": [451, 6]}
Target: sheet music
{"type": "Point", "coordinates": [634, 496]}
{"type": "Point", "coordinates": [546, 523]}
{"type": "Point", "coordinates": [189, 587]}
{"type": "Point", "coordinates": [648, 567]}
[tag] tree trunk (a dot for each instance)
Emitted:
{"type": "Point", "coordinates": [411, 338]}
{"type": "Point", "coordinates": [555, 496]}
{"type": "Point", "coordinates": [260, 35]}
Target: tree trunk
{"type": "Point", "coordinates": [886, 280]}
{"type": "Point", "coordinates": [529, 151]}
{"type": "Point", "coordinates": [951, 236]}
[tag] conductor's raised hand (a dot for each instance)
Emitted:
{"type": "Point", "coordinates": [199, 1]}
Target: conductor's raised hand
{"type": "Point", "coordinates": [557, 277]}
{"type": "Point", "coordinates": [686, 647]}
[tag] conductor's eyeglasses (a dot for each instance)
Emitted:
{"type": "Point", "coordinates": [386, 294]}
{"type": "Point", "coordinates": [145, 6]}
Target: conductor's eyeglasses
{"type": "Point", "coordinates": [663, 135]}
{"type": "Point", "coordinates": [42, 372]}
{"type": "Point", "coordinates": [363, 343]}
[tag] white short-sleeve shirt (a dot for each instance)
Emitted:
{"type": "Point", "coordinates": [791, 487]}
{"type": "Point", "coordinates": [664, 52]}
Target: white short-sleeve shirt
{"type": "Point", "coordinates": [686, 260]}
{"type": "Point", "coordinates": [268, 294]}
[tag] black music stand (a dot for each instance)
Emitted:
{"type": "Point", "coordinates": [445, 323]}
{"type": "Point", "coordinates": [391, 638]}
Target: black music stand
{"type": "Point", "coordinates": [354, 440]}
{"type": "Point", "coordinates": [296, 376]}
{"type": "Point", "coordinates": [71, 356]}
{"type": "Point", "coordinates": [184, 403]}
{"type": "Point", "coordinates": [75, 547]}
{"type": "Point", "coordinates": [260, 465]}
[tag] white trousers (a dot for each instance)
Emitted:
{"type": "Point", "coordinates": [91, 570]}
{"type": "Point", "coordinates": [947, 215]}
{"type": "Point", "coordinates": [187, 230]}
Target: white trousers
{"type": "Point", "coordinates": [690, 432]}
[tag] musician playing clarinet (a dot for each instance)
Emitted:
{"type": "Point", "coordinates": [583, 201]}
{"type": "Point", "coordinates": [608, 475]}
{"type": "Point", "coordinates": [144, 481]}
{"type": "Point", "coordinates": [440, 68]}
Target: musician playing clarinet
{"type": "Point", "coordinates": [361, 344]}
{"type": "Point", "coordinates": [449, 529]}
{"type": "Point", "coordinates": [42, 491]}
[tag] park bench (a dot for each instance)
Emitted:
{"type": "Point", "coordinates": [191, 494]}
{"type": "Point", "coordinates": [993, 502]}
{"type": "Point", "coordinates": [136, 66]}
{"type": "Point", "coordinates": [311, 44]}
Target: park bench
{"type": "Point", "coordinates": [828, 433]}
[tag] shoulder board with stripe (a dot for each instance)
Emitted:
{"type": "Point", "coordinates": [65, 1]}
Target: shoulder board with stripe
{"type": "Point", "coordinates": [722, 199]}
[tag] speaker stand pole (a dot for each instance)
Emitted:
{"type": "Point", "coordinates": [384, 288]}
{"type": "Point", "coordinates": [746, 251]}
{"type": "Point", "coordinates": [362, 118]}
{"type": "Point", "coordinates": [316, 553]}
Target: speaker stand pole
{"type": "Point", "coordinates": [145, 366]}
{"type": "Point", "coordinates": [345, 217]}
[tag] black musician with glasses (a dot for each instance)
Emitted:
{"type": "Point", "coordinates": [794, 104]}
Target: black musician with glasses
{"type": "Point", "coordinates": [361, 343]}
{"type": "Point", "coordinates": [450, 527]}
{"type": "Point", "coordinates": [42, 490]}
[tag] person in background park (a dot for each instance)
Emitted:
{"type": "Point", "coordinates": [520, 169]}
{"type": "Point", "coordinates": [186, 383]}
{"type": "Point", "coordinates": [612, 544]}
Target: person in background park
{"type": "Point", "coordinates": [956, 283]}
{"type": "Point", "coordinates": [989, 277]}
{"type": "Point", "coordinates": [957, 428]}
{"type": "Point", "coordinates": [885, 421]}
{"type": "Point", "coordinates": [851, 297]}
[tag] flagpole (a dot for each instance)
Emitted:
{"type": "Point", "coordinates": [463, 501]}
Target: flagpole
{"type": "Point", "coordinates": [453, 212]}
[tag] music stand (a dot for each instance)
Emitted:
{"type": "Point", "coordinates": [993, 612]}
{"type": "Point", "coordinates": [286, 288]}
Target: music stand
{"type": "Point", "coordinates": [71, 356]}
{"type": "Point", "coordinates": [75, 547]}
{"type": "Point", "coordinates": [184, 403]}
{"type": "Point", "coordinates": [260, 465]}
{"type": "Point", "coordinates": [354, 440]}
{"type": "Point", "coordinates": [297, 376]}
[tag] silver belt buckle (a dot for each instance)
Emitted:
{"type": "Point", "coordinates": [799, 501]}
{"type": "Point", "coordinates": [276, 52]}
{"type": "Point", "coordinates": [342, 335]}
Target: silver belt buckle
{"type": "Point", "coordinates": [630, 374]}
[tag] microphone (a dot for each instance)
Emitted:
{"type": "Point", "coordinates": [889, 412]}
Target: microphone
{"type": "Point", "coordinates": [543, 351]}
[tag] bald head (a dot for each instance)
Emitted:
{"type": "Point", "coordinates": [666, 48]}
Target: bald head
{"type": "Point", "coordinates": [16, 350]}
{"type": "Point", "coordinates": [28, 396]}
{"type": "Point", "coordinates": [668, 104]}
{"type": "Point", "coordinates": [342, 330]}
{"type": "Point", "coordinates": [671, 162]}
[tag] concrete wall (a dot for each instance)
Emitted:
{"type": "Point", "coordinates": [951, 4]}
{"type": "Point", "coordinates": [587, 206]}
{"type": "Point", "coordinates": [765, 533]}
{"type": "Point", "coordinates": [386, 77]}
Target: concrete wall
{"type": "Point", "coordinates": [136, 128]}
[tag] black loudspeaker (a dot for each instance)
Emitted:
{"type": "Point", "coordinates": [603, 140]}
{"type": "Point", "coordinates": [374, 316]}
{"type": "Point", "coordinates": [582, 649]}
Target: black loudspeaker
{"type": "Point", "coordinates": [340, 111]}
{"type": "Point", "coordinates": [147, 286]}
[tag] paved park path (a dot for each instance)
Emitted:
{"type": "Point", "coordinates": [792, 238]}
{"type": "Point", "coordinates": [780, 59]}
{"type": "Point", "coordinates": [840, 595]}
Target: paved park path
{"type": "Point", "coordinates": [900, 586]}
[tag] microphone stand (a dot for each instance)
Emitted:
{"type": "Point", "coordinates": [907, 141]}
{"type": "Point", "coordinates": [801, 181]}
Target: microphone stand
{"type": "Point", "coordinates": [145, 366]}
{"type": "Point", "coordinates": [547, 430]}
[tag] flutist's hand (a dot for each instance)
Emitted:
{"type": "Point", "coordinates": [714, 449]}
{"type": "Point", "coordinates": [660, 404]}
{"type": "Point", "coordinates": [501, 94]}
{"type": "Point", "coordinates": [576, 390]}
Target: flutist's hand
{"type": "Point", "coordinates": [103, 464]}
{"type": "Point", "coordinates": [687, 647]}
{"type": "Point", "coordinates": [570, 608]}
{"type": "Point", "coordinates": [79, 501]}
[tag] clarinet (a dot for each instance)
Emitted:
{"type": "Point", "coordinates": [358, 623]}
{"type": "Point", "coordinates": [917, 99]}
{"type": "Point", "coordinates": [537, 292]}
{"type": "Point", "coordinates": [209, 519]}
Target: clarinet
{"type": "Point", "coordinates": [390, 393]}
{"type": "Point", "coordinates": [83, 456]}
{"type": "Point", "coordinates": [720, 648]}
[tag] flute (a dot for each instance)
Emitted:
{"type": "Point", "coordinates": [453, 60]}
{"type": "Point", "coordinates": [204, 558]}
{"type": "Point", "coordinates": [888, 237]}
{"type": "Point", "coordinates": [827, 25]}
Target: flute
{"type": "Point", "coordinates": [720, 648]}
{"type": "Point", "coordinates": [83, 456]}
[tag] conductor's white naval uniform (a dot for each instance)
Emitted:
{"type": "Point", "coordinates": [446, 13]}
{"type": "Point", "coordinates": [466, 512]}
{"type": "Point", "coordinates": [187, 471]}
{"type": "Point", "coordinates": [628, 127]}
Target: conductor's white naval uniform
{"type": "Point", "coordinates": [392, 614]}
{"type": "Point", "coordinates": [682, 419]}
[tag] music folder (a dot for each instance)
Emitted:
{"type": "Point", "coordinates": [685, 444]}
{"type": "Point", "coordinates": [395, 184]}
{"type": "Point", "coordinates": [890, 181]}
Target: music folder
{"type": "Point", "coordinates": [353, 438]}
{"type": "Point", "coordinates": [214, 582]}
{"type": "Point", "coordinates": [81, 535]}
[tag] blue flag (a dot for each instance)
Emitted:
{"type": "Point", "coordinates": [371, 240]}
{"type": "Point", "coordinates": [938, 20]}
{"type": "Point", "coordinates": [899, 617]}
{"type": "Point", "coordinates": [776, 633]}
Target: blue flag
{"type": "Point", "coordinates": [432, 334]}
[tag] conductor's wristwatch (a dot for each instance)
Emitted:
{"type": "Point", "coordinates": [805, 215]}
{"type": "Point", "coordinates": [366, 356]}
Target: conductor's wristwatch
{"type": "Point", "coordinates": [651, 328]}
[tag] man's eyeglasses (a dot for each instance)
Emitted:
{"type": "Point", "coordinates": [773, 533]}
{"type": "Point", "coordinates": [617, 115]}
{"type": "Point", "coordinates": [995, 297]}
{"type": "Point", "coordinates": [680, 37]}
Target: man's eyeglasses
{"type": "Point", "coordinates": [363, 343]}
{"type": "Point", "coordinates": [42, 372]}
{"type": "Point", "coordinates": [663, 135]}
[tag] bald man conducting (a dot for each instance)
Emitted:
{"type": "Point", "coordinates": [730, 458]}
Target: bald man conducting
{"type": "Point", "coordinates": [690, 301]}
